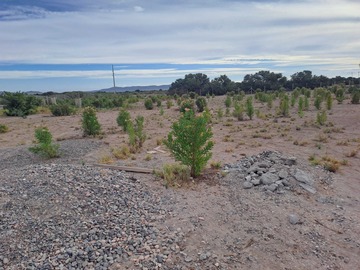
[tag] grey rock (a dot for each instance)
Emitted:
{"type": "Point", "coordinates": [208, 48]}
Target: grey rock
{"type": "Point", "coordinates": [248, 178]}
{"type": "Point", "coordinates": [303, 177]}
{"type": "Point", "coordinates": [290, 161]}
{"type": "Point", "coordinates": [308, 188]}
{"type": "Point", "coordinates": [203, 256]}
{"type": "Point", "coordinates": [255, 181]}
{"type": "Point", "coordinates": [294, 219]}
{"type": "Point", "coordinates": [283, 174]}
{"type": "Point", "coordinates": [272, 187]}
{"type": "Point", "coordinates": [247, 185]}
{"type": "Point", "coordinates": [269, 178]}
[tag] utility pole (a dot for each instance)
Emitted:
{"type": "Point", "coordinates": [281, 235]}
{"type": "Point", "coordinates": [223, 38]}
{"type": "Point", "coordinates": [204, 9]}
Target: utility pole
{"type": "Point", "coordinates": [113, 73]}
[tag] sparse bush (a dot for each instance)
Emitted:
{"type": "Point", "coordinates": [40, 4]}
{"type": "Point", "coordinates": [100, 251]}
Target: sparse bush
{"type": "Point", "coordinates": [136, 134]}
{"type": "Point", "coordinates": [20, 104]}
{"type": "Point", "coordinates": [340, 95]}
{"type": "Point", "coordinates": [148, 104]}
{"type": "Point", "coordinates": [123, 119]}
{"type": "Point", "coordinates": [301, 105]}
{"type": "Point", "coordinates": [317, 102]}
{"type": "Point", "coordinates": [189, 142]}
{"type": "Point", "coordinates": [329, 100]}
{"type": "Point", "coordinates": [220, 113]}
{"type": "Point", "coordinates": [3, 128]}
{"type": "Point", "coordinates": [321, 118]}
{"type": "Point", "coordinates": [238, 111]}
{"type": "Point", "coordinates": [44, 146]}
{"type": "Point", "coordinates": [187, 104]}
{"type": "Point", "coordinates": [121, 153]}
{"type": "Point", "coordinates": [62, 109]}
{"type": "Point", "coordinates": [201, 104]}
{"type": "Point", "coordinates": [284, 106]}
{"type": "Point", "coordinates": [169, 104]}
{"type": "Point", "coordinates": [249, 107]}
{"type": "Point", "coordinates": [174, 175]}
{"type": "Point", "coordinates": [228, 101]}
{"type": "Point", "coordinates": [306, 103]}
{"type": "Point", "coordinates": [355, 98]}
{"type": "Point", "coordinates": [90, 123]}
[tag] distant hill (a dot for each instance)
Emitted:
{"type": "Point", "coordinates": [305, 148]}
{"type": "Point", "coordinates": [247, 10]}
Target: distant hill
{"type": "Point", "coordinates": [134, 88]}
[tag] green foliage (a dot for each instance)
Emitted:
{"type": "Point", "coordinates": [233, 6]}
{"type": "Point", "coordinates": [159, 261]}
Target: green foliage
{"type": "Point", "coordinates": [123, 119]}
{"type": "Point", "coordinates": [158, 103]}
{"type": "Point", "coordinates": [306, 103]}
{"type": "Point", "coordinates": [340, 95]}
{"type": "Point", "coordinates": [136, 133]}
{"type": "Point", "coordinates": [329, 101]}
{"type": "Point", "coordinates": [3, 128]}
{"type": "Point", "coordinates": [174, 174]}
{"type": "Point", "coordinates": [63, 109]}
{"type": "Point", "coordinates": [44, 146]}
{"type": "Point", "coordinates": [20, 104]}
{"type": "Point", "coordinates": [149, 104]}
{"type": "Point", "coordinates": [355, 97]}
{"type": "Point", "coordinates": [169, 104]}
{"type": "Point", "coordinates": [187, 104]}
{"type": "Point", "coordinates": [321, 118]}
{"type": "Point", "coordinates": [228, 102]}
{"type": "Point", "coordinates": [189, 142]}
{"type": "Point", "coordinates": [90, 123]}
{"type": "Point", "coordinates": [300, 104]}
{"type": "Point", "coordinates": [293, 100]}
{"type": "Point", "coordinates": [238, 111]}
{"type": "Point", "coordinates": [317, 102]}
{"type": "Point", "coordinates": [284, 106]}
{"type": "Point", "coordinates": [249, 107]}
{"type": "Point", "coordinates": [161, 111]}
{"type": "Point", "coordinates": [201, 104]}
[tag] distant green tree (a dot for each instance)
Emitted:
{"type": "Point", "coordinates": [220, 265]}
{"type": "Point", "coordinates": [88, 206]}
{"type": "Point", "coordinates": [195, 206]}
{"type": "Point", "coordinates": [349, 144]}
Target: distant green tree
{"type": "Point", "coordinates": [20, 104]}
{"type": "Point", "coordinates": [249, 107]}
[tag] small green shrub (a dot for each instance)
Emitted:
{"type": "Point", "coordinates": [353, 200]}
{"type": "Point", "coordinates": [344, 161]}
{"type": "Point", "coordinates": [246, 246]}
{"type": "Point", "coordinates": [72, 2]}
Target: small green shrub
{"type": "Point", "coordinates": [317, 102]}
{"type": "Point", "coordinates": [238, 111]}
{"type": "Point", "coordinates": [44, 146]}
{"type": "Point", "coordinates": [187, 104]}
{"type": "Point", "coordinates": [123, 119]}
{"type": "Point", "coordinates": [62, 109]}
{"type": "Point", "coordinates": [201, 104]}
{"type": "Point", "coordinates": [284, 106]}
{"type": "Point", "coordinates": [189, 142]}
{"type": "Point", "coordinates": [228, 101]}
{"type": "Point", "coordinates": [20, 104]}
{"type": "Point", "coordinates": [321, 118]}
{"type": "Point", "coordinates": [355, 98]}
{"type": "Point", "coordinates": [169, 104]}
{"type": "Point", "coordinates": [136, 134]}
{"type": "Point", "coordinates": [90, 123]}
{"type": "Point", "coordinates": [3, 128]}
{"type": "Point", "coordinates": [249, 107]}
{"type": "Point", "coordinates": [329, 100]}
{"type": "Point", "coordinates": [340, 95]}
{"type": "Point", "coordinates": [149, 104]}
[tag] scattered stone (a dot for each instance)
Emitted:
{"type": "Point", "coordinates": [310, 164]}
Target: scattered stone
{"type": "Point", "coordinates": [293, 219]}
{"type": "Point", "coordinates": [283, 174]}
{"type": "Point", "coordinates": [272, 187]}
{"type": "Point", "coordinates": [255, 182]}
{"type": "Point", "coordinates": [269, 178]}
{"type": "Point", "coordinates": [247, 185]}
{"type": "Point", "coordinates": [308, 188]}
{"type": "Point", "coordinates": [303, 177]}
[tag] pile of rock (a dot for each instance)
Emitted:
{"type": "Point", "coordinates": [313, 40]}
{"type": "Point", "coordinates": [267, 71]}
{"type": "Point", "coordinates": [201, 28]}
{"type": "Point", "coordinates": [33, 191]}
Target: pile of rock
{"type": "Point", "coordinates": [271, 171]}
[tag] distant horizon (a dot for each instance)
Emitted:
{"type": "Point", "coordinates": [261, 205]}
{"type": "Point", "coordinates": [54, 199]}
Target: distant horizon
{"type": "Point", "coordinates": [66, 45]}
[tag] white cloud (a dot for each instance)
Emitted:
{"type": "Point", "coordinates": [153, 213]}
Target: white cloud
{"type": "Point", "coordinates": [290, 33]}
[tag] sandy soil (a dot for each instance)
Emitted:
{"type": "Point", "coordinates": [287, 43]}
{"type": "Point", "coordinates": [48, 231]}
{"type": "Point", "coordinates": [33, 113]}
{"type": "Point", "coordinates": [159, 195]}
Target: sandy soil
{"type": "Point", "coordinates": [248, 229]}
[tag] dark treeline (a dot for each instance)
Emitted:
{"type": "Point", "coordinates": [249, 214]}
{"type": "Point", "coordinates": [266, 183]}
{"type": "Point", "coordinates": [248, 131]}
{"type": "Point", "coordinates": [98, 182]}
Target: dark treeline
{"type": "Point", "coordinates": [262, 80]}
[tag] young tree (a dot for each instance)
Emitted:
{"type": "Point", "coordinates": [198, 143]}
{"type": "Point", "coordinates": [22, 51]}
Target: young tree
{"type": "Point", "coordinates": [189, 142]}
{"type": "Point", "coordinates": [249, 108]}
{"type": "Point", "coordinates": [90, 123]}
{"type": "Point", "coordinates": [123, 119]}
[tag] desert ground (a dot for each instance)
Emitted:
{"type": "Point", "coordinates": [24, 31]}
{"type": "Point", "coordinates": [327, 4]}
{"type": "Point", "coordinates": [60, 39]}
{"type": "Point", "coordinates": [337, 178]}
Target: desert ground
{"type": "Point", "coordinates": [208, 223]}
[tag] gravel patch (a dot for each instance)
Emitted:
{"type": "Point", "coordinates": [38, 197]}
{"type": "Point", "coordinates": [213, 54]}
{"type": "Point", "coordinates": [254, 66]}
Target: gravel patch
{"type": "Point", "coordinates": [57, 216]}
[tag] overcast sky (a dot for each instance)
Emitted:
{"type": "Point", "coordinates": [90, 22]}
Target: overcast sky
{"type": "Point", "coordinates": [65, 45]}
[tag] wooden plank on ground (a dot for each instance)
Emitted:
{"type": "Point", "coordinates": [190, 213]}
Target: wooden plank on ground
{"type": "Point", "coordinates": [125, 168]}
